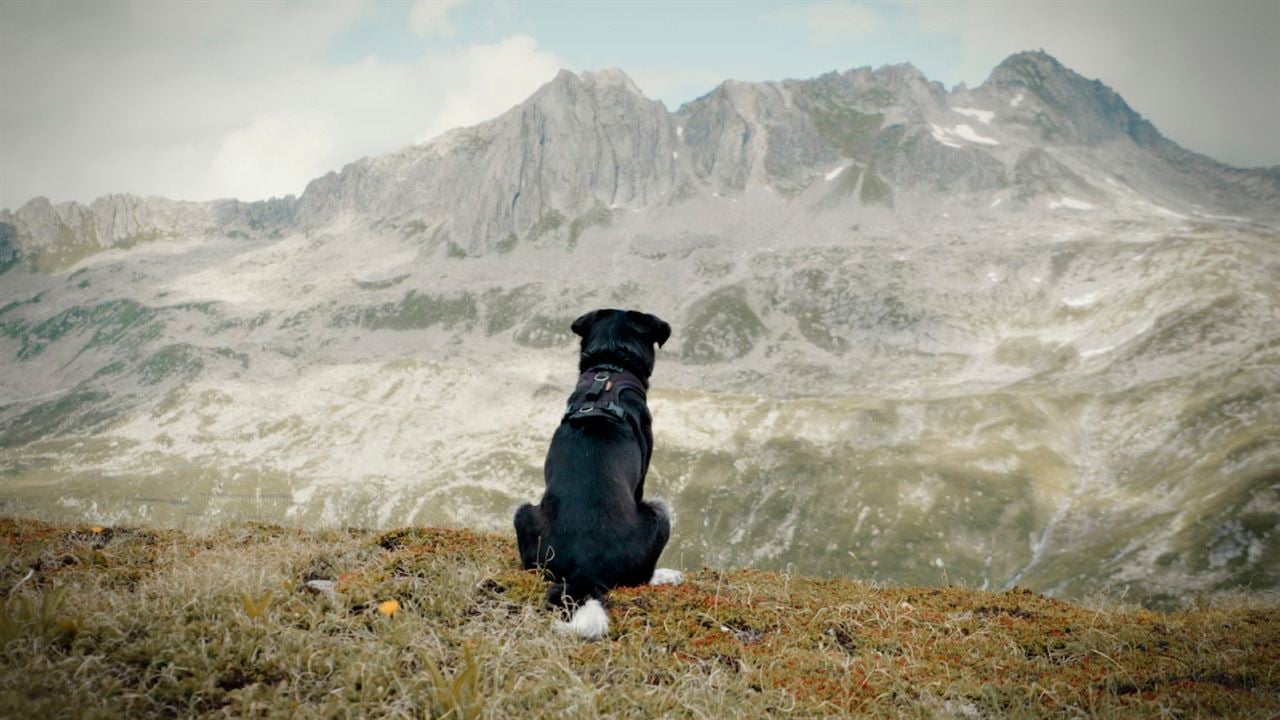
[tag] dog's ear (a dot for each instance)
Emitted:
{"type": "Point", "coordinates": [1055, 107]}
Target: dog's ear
{"type": "Point", "coordinates": [582, 325]}
{"type": "Point", "coordinates": [652, 328]}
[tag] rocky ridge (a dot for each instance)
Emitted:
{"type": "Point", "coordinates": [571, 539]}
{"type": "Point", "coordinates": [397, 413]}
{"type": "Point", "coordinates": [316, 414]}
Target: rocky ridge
{"type": "Point", "coordinates": [585, 145]}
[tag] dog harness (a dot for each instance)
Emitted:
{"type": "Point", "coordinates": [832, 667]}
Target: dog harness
{"type": "Point", "coordinates": [598, 394]}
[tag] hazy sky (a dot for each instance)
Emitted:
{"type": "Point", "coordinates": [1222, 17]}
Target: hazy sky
{"type": "Point", "coordinates": [253, 99]}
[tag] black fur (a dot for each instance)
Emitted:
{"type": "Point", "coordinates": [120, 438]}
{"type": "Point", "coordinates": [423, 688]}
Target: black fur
{"type": "Point", "coordinates": [592, 530]}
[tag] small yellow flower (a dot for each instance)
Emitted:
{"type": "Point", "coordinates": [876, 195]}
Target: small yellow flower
{"type": "Point", "coordinates": [96, 529]}
{"type": "Point", "coordinates": [389, 607]}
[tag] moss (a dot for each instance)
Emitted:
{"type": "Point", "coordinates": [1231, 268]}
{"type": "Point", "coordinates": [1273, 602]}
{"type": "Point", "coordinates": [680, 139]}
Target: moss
{"type": "Point", "coordinates": [119, 621]}
{"type": "Point", "coordinates": [454, 250]}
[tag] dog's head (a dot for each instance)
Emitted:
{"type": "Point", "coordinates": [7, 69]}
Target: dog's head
{"type": "Point", "coordinates": [622, 337]}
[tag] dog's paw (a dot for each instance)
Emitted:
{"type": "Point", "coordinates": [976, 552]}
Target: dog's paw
{"type": "Point", "coordinates": [666, 576]}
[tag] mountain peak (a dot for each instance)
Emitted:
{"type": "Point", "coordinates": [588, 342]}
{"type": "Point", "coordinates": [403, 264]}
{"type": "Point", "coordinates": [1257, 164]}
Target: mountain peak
{"type": "Point", "coordinates": [1080, 109]}
{"type": "Point", "coordinates": [1037, 58]}
{"type": "Point", "coordinates": [607, 78]}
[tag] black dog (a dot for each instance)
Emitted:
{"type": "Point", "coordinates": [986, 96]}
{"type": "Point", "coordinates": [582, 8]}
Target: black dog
{"type": "Point", "coordinates": [593, 531]}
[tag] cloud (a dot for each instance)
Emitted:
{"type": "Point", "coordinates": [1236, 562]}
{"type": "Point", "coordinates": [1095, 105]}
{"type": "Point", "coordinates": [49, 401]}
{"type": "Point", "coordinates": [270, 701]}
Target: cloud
{"type": "Point", "coordinates": [488, 80]}
{"type": "Point", "coordinates": [431, 17]}
{"type": "Point", "coordinates": [830, 22]}
{"type": "Point", "coordinates": [273, 153]}
{"type": "Point", "coordinates": [196, 101]}
{"type": "Point", "coordinates": [1224, 55]}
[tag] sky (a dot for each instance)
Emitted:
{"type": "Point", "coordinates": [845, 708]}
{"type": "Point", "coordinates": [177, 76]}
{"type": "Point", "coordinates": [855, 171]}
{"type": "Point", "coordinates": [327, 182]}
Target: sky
{"type": "Point", "coordinates": [195, 101]}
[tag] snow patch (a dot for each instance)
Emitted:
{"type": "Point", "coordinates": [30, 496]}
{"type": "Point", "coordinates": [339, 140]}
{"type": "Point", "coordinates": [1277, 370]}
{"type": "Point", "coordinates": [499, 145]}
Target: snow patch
{"type": "Point", "coordinates": [1070, 203]}
{"type": "Point", "coordinates": [1081, 300]}
{"type": "Point", "coordinates": [1016, 101]}
{"type": "Point", "coordinates": [675, 155]}
{"type": "Point", "coordinates": [996, 202]}
{"type": "Point", "coordinates": [969, 134]}
{"type": "Point", "coordinates": [1097, 351]}
{"type": "Point", "coordinates": [680, 131]}
{"type": "Point", "coordinates": [835, 173]}
{"type": "Point", "coordinates": [941, 136]}
{"type": "Point", "coordinates": [1228, 218]}
{"type": "Point", "coordinates": [948, 136]}
{"type": "Point", "coordinates": [983, 116]}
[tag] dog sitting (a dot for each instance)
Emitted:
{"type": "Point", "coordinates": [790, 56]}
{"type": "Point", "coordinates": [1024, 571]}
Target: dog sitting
{"type": "Point", "coordinates": [592, 530]}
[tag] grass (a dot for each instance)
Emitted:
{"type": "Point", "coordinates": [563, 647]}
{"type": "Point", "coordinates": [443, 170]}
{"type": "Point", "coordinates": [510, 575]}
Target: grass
{"type": "Point", "coordinates": [107, 622]}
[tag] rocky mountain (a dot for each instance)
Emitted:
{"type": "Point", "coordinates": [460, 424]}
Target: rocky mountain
{"type": "Point", "coordinates": [1008, 334]}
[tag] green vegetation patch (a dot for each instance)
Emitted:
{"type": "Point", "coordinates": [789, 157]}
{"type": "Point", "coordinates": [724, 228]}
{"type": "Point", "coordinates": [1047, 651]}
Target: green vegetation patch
{"type": "Point", "coordinates": [82, 410]}
{"type": "Point", "coordinates": [182, 361]}
{"type": "Point", "coordinates": [597, 216]}
{"type": "Point", "coordinates": [412, 228]}
{"type": "Point", "coordinates": [720, 326]}
{"type": "Point", "coordinates": [504, 309]}
{"type": "Point", "coordinates": [381, 284]}
{"type": "Point", "coordinates": [506, 244]}
{"type": "Point", "coordinates": [542, 331]}
{"type": "Point", "coordinates": [847, 130]}
{"type": "Point", "coordinates": [414, 311]}
{"type": "Point", "coordinates": [831, 307]}
{"type": "Point", "coordinates": [117, 322]}
{"type": "Point", "coordinates": [115, 622]}
{"type": "Point", "coordinates": [875, 191]}
{"type": "Point", "coordinates": [176, 360]}
{"type": "Point", "coordinates": [148, 236]}
{"type": "Point", "coordinates": [549, 222]}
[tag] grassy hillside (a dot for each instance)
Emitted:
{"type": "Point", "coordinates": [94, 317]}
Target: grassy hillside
{"type": "Point", "coordinates": [117, 621]}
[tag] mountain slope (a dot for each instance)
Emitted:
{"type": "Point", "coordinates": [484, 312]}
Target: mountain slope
{"type": "Point", "coordinates": [1008, 335]}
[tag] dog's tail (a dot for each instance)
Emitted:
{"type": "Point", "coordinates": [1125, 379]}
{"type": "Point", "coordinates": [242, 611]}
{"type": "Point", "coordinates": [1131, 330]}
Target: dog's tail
{"type": "Point", "coordinates": [584, 599]}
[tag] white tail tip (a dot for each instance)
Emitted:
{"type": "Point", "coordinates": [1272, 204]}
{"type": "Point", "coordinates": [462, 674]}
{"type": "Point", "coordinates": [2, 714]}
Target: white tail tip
{"type": "Point", "coordinates": [590, 621]}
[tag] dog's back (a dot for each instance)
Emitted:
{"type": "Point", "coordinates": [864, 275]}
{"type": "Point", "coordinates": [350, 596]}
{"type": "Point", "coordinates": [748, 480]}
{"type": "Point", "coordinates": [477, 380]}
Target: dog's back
{"type": "Point", "coordinates": [592, 530]}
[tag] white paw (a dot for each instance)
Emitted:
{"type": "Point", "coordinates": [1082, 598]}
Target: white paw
{"type": "Point", "coordinates": [666, 576]}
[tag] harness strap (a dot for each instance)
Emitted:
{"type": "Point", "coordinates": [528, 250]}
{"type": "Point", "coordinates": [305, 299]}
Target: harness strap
{"type": "Point", "coordinates": [597, 394]}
